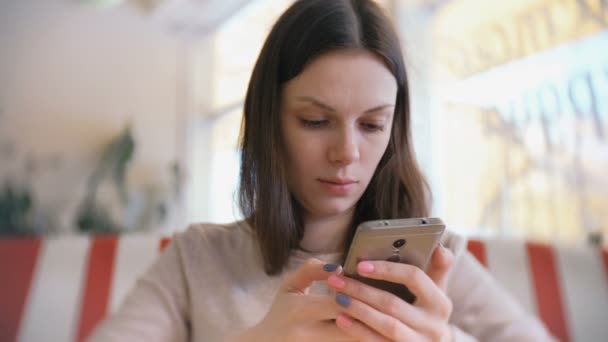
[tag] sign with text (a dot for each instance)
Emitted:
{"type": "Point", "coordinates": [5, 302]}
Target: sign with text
{"type": "Point", "coordinates": [523, 117]}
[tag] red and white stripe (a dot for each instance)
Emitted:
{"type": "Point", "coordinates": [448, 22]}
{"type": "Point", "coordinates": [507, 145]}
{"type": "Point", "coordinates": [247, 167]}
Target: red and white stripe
{"type": "Point", "coordinates": [134, 253]}
{"type": "Point", "coordinates": [506, 258]}
{"type": "Point", "coordinates": [53, 302]}
{"type": "Point", "coordinates": [585, 283]}
{"type": "Point", "coordinates": [566, 287]}
{"type": "Point", "coordinates": [59, 289]}
{"type": "Point", "coordinates": [17, 262]}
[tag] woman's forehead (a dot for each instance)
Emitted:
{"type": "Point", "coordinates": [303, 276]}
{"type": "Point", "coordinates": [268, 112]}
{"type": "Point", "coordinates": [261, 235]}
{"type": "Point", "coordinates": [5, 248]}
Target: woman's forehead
{"type": "Point", "coordinates": [357, 79]}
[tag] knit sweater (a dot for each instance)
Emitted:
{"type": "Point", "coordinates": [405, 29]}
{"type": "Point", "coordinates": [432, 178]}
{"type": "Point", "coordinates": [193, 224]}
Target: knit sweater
{"type": "Point", "coordinates": [209, 284]}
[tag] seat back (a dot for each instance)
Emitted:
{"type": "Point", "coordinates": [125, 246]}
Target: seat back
{"type": "Point", "coordinates": [58, 289]}
{"type": "Point", "coordinates": [565, 286]}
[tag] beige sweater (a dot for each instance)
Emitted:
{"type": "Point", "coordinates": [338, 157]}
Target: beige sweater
{"type": "Point", "coordinates": [209, 284]}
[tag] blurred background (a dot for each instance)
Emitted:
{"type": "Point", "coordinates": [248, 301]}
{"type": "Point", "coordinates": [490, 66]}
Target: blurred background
{"type": "Point", "coordinates": [119, 122]}
{"type": "Point", "coordinates": [123, 115]}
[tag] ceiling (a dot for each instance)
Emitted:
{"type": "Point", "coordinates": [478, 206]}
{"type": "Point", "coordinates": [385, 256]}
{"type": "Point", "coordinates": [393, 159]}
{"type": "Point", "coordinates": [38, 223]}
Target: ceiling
{"type": "Point", "coordinates": [194, 17]}
{"type": "Point", "coordinates": [200, 17]}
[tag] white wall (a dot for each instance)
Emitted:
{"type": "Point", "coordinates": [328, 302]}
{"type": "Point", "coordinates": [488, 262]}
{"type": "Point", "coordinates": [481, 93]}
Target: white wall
{"type": "Point", "coordinates": [70, 78]}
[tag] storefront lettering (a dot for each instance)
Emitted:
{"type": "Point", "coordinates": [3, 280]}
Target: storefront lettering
{"type": "Point", "coordinates": [576, 98]}
{"type": "Point", "coordinates": [521, 34]}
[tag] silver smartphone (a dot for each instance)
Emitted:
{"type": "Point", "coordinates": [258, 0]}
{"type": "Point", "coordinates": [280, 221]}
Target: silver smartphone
{"type": "Point", "coordinates": [410, 241]}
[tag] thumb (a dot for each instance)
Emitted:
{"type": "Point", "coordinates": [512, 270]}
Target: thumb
{"type": "Point", "coordinates": [441, 262]}
{"type": "Point", "coordinates": [301, 279]}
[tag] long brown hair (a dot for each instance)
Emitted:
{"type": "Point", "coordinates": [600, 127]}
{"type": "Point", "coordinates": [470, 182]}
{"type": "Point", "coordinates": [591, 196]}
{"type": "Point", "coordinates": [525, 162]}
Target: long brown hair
{"type": "Point", "coordinates": [306, 30]}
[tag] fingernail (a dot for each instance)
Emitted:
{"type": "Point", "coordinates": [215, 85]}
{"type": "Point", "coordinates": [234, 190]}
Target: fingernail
{"type": "Point", "coordinates": [336, 282]}
{"type": "Point", "coordinates": [343, 300]}
{"type": "Point", "coordinates": [365, 267]}
{"type": "Point", "coordinates": [330, 267]}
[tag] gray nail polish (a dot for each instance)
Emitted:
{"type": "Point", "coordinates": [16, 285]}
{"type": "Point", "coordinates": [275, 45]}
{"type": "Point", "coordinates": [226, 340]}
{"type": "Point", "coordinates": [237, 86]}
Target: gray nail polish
{"type": "Point", "coordinates": [330, 267]}
{"type": "Point", "coordinates": [343, 300]}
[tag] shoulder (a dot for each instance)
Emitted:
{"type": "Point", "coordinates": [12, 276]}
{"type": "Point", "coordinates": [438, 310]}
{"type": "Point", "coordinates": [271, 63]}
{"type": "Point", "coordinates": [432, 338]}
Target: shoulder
{"type": "Point", "coordinates": [215, 234]}
{"type": "Point", "coordinates": [210, 241]}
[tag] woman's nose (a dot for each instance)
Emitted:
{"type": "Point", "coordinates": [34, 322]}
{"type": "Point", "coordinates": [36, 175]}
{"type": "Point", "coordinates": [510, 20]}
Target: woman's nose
{"type": "Point", "coordinates": [345, 150]}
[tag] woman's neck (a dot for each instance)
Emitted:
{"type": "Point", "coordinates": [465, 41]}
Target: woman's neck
{"type": "Point", "coordinates": [326, 234]}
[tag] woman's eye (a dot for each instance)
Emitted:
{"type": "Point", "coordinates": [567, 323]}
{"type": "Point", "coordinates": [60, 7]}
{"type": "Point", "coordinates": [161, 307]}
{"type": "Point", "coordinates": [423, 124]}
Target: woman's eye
{"type": "Point", "coordinates": [314, 123]}
{"type": "Point", "coordinates": [372, 127]}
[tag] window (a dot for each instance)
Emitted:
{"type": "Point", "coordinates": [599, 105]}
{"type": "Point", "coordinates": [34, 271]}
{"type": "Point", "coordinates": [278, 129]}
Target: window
{"type": "Point", "coordinates": [520, 120]}
{"type": "Point", "coordinates": [235, 48]}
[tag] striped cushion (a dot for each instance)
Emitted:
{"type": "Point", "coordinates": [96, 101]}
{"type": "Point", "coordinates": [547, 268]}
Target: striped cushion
{"type": "Point", "coordinates": [567, 287]}
{"type": "Point", "coordinates": [59, 289]}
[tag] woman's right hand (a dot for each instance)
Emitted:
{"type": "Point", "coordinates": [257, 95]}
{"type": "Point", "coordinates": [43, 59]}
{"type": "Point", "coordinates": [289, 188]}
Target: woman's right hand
{"type": "Point", "coordinates": [296, 315]}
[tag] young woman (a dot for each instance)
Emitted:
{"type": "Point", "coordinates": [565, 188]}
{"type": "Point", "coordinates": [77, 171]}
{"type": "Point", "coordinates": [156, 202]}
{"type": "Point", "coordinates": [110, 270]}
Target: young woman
{"type": "Point", "coordinates": [326, 146]}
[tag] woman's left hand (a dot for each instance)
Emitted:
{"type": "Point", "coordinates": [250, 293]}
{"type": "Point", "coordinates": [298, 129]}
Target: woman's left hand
{"type": "Point", "coordinates": [371, 314]}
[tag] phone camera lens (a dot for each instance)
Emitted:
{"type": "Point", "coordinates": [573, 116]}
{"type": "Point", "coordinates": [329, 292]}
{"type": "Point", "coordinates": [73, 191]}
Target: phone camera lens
{"type": "Point", "coordinates": [399, 243]}
{"type": "Point", "coordinates": [394, 258]}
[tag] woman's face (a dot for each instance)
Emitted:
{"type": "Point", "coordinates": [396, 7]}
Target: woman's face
{"type": "Point", "coordinates": [336, 119]}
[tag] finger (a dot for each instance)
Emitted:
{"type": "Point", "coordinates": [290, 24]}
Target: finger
{"type": "Point", "coordinates": [418, 282]}
{"type": "Point", "coordinates": [356, 329]}
{"type": "Point", "coordinates": [312, 270]}
{"type": "Point", "coordinates": [329, 331]}
{"type": "Point", "coordinates": [381, 300]}
{"type": "Point", "coordinates": [381, 324]}
{"type": "Point", "coordinates": [315, 307]}
{"type": "Point", "coordinates": [441, 263]}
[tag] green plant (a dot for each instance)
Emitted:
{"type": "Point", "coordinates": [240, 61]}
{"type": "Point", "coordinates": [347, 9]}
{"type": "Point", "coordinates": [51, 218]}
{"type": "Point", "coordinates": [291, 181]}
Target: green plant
{"type": "Point", "coordinates": [92, 216]}
{"type": "Point", "coordinates": [15, 211]}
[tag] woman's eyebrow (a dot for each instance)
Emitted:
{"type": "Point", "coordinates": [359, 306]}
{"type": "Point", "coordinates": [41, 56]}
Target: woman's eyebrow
{"type": "Point", "coordinates": [379, 108]}
{"type": "Point", "coordinates": [317, 103]}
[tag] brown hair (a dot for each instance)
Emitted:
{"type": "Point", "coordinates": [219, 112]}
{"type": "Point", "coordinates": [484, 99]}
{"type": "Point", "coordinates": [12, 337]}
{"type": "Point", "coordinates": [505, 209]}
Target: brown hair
{"type": "Point", "coordinates": [306, 30]}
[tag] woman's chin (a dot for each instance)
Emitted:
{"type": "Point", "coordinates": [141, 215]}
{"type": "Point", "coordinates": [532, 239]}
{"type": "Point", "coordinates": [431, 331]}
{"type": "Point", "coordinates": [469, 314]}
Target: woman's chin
{"type": "Point", "coordinates": [332, 208]}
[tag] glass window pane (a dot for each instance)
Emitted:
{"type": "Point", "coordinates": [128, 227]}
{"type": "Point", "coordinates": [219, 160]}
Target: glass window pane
{"type": "Point", "coordinates": [521, 120]}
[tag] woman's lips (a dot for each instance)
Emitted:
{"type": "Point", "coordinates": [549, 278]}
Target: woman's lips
{"type": "Point", "coordinates": [338, 186]}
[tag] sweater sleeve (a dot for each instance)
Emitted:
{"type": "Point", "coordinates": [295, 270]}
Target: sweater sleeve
{"type": "Point", "coordinates": [156, 309]}
{"type": "Point", "coordinates": [483, 308]}
{"type": "Point", "coordinates": [460, 336]}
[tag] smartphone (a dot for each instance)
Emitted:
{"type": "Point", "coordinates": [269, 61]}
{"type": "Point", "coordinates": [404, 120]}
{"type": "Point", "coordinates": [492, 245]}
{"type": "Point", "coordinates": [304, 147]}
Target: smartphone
{"type": "Point", "coordinates": [410, 241]}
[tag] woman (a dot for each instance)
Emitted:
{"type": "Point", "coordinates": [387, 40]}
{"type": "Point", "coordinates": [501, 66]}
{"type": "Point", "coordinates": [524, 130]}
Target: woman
{"type": "Point", "coordinates": [326, 145]}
